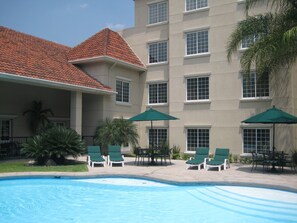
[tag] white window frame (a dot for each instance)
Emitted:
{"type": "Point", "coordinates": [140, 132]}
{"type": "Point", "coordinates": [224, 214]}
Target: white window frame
{"type": "Point", "coordinates": [255, 88]}
{"type": "Point", "coordinates": [158, 52]}
{"type": "Point", "coordinates": [158, 13]}
{"type": "Point", "coordinates": [197, 42]}
{"type": "Point", "coordinates": [196, 128]}
{"type": "Point", "coordinates": [197, 77]}
{"type": "Point", "coordinates": [129, 92]}
{"type": "Point", "coordinates": [158, 103]}
{"type": "Point", "coordinates": [196, 8]}
{"type": "Point", "coordinates": [256, 128]}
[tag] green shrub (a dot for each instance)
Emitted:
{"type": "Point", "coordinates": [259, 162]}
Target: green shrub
{"type": "Point", "coordinates": [36, 149]}
{"type": "Point", "coordinates": [185, 156]}
{"type": "Point", "coordinates": [55, 143]}
{"type": "Point", "coordinates": [175, 152]}
{"type": "Point", "coordinates": [233, 158]}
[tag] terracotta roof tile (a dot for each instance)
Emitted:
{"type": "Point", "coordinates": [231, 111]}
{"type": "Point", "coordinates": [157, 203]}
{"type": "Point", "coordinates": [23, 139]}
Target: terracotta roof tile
{"type": "Point", "coordinates": [105, 43]}
{"type": "Point", "coordinates": [29, 56]}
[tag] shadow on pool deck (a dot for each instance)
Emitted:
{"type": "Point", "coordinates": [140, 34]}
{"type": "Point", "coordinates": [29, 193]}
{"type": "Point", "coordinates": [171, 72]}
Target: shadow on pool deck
{"type": "Point", "coordinates": [238, 174]}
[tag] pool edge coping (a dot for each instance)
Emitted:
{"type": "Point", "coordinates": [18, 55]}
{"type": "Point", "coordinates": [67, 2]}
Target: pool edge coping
{"type": "Point", "coordinates": [29, 175]}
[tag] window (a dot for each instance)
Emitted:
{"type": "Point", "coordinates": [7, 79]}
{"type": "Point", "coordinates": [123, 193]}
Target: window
{"type": "Point", "coordinates": [196, 4]}
{"type": "Point", "coordinates": [256, 140]}
{"type": "Point", "coordinates": [197, 88]}
{"type": "Point", "coordinates": [123, 91]}
{"type": "Point", "coordinates": [157, 136]}
{"type": "Point", "coordinates": [5, 129]}
{"type": "Point", "coordinates": [197, 138]}
{"type": "Point", "coordinates": [255, 86]}
{"type": "Point", "coordinates": [248, 41]}
{"type": "Point", "coordinates": [158, 93]}
{"type": "Point", "coordinates": [157, 52]}
{"type": "Point", "coordinates": [157, 12]}
{"type": "Point", "coordinates": [197, 42]}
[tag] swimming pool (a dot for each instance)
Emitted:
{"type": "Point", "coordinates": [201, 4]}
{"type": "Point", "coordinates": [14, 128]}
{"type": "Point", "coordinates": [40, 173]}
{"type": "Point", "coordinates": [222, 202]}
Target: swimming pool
{"type": "Point", "coordinates": [137, 200]}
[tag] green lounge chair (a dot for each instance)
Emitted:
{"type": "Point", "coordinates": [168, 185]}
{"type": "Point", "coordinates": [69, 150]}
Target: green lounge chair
{"type": "Point", "coordinates": [94, 156]}
{"type": "Point", "coordinates": [221, 158]}
{"type": "Point", "coordinates": [114, 155]}
{"type": "Point", "coordinates": [200, 158]}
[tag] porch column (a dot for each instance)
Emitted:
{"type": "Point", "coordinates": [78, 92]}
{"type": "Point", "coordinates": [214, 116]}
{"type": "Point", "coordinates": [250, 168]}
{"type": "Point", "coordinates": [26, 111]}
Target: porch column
{"type": "Point", "coordinates": [76, 111]}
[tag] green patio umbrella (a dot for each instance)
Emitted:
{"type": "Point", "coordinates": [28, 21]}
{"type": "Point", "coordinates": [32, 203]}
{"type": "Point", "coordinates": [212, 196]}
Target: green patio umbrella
{"type": "Point", "coordinates": [152, 115]}
{"type": "Point", "coordinates": [272, 116]}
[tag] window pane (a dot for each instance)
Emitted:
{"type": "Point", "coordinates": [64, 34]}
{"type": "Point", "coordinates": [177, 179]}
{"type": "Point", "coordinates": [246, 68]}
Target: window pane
{"type": "Point", "coordinates": [162, 52]}
{"type": "Point", "coordinates": [197, 138]}
{"type": "Point", "coordinates": [157, 12]}
{"type": "Point", "coordinates": [158, 93]}
{"type": "Point", "coordinates": [203, 88]}
{"type": "Point", "coordinates": [162, 89]}
{"type": "Point", "coordinates": [192, 89]}
{"type": "Point", "coordinates": [201, 4]}
{"type": "Point", "coordinates": [158, 52]}
{"type": "Point", "coordinates": [197, 42]}
{"type": "Point", "coordinates": [153, 93]}
{"type": "Point", "coordinates": [153, 13]}
{"type": "Point", "coordinates": [248, 85]}
{"type": "Point", "coordinates": [203, 42]}
{"type": "Point", "coordinates": [119, 88]}
{"type": "Point", "coordinates": [198, 88]}
{"type": "Point", "coordinates": [157, 136]}
{"type": "Point", "coordinates": [153, 53]}
{"type": "Point", "coordinates": [203, 138]}
{"type": "Point", "coordinates": [263, 140]}
{"type": "Point", "coordinates": [254, 85]}
{"type": "Point", "coordinates": [190, 5]}
{"type": "Point", "coordinates": [256, 140]}
{"type": "Point", "coordinates": [262, 88]}
{"type": "Point", "coordinates": [192, 140]}
{"type": "Point", "coordinates": [249, 140]}
{"type": "Point", "coordinates": [162, 17]}
{"type": "Point", "coordinates": [125, 92]}
{"type": "Point", "coordinates": [191, 43]}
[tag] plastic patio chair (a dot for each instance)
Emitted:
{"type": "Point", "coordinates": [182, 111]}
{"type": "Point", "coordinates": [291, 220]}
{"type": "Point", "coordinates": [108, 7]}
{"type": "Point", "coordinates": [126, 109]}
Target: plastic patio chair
{"type": "Point", "coordinates": [200, 158]}
{"type": "Point", "coordinates": [94, 156]}
{"type": "Point", "coordinates": [114, 155]}
{"type": "Point", "coordinates": [221, 159]}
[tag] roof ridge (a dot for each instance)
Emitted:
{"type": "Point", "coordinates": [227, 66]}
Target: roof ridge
{"type": "Point", "coordinates": [106, 41]}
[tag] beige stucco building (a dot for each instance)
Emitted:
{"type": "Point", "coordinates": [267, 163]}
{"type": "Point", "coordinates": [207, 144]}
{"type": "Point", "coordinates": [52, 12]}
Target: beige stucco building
{"type": "Point", "coordinates": [179, 66]}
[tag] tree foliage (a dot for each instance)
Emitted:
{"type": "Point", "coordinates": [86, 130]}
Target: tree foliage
{"type": "Point", "coordinates": [38, 116]}
{"type": "Point", "coordinates": [116, 132]}
{"type": "Point", "coordinates": [276, 32]}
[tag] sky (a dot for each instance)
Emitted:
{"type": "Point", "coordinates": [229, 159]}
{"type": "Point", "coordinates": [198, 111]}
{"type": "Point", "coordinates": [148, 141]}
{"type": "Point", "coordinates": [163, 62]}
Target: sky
{"type": "Point", "coordinates": [68, 22]}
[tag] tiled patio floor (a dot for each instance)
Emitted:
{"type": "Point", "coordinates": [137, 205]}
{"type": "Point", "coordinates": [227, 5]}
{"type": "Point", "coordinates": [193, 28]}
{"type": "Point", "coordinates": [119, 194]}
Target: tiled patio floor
{"type": "Point", "coordinates": [238, 174]}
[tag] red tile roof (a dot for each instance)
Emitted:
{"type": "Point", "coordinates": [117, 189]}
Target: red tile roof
{"type": "Point", "coordinates": [29, 56]}
{"type": "Point", "coordinates": [105, 43]}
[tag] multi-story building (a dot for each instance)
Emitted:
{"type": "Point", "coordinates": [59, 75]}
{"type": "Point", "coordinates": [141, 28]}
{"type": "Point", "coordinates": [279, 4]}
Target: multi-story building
{"type": "Point", "coordinates": [173, 59]}
{"type": "Point", "coordinates": [183, 44]}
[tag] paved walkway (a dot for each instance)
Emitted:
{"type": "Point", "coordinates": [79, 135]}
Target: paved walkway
{"type": "Point", "coordinates": [238, 174]}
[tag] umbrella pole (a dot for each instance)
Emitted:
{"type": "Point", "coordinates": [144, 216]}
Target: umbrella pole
{"type": "Point", "coordinates": [153, 152]}
{"type": "Point", "coordinates": [273, 169]}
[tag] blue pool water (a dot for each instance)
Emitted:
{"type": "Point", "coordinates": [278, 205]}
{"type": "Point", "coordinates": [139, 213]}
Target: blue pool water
{"type": "Point", "coordinates": [136, 200]}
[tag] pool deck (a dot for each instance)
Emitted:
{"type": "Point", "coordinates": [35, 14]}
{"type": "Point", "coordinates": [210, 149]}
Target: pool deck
{"type": "Point", "coordinates": [238, 174]}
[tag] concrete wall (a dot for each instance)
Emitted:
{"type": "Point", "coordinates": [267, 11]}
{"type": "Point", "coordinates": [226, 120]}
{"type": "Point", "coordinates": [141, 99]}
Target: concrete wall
{"type": "Point", "coordinates": [96, 108]}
